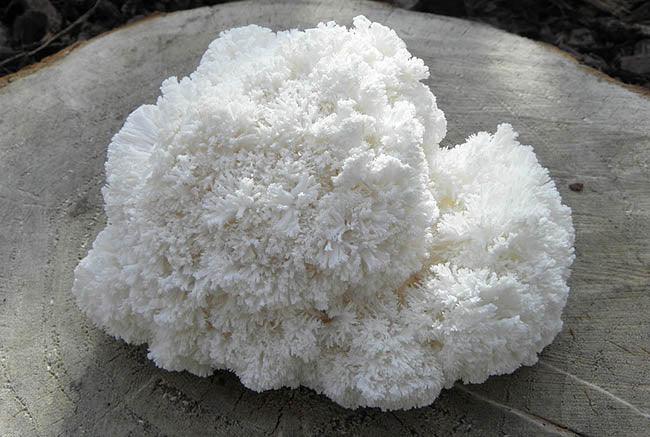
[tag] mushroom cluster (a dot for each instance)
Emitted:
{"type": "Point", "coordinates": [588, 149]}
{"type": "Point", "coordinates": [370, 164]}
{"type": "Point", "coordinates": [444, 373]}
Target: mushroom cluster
{"type": "Point", "coordinates": [286, 212]}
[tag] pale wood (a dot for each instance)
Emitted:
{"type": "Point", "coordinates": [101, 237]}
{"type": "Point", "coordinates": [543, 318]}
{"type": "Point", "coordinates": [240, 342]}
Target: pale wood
{"type": "Point", "coordinates": [61, 376]}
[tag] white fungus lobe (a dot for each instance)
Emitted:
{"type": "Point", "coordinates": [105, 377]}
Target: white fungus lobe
{"type": "Point", "coordinates": [286, 212]}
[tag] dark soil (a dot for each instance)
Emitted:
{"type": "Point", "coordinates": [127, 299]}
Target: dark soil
{"type": "Point", "coordinates": [610, 35]}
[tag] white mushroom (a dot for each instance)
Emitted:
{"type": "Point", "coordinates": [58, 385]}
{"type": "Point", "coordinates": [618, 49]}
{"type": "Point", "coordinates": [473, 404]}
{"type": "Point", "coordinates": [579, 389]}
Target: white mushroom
{"type": "Point", "coordinates": [286, 212]}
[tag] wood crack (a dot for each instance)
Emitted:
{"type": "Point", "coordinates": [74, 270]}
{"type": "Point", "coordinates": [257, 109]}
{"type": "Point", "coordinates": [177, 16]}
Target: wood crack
{"type": "Point", "coordinates": [597, 388]}
{"type": "Point", "coordinates": [404, 425]}
{"type": "Point", "coordinates": [540, 421]}
{"type": "Point", "coordinates": [281, 413]}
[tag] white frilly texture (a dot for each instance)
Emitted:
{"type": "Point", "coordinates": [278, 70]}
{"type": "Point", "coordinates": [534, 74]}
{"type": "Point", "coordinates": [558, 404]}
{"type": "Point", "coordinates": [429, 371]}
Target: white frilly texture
{"type": "Point", "coordinates": [286, 212]}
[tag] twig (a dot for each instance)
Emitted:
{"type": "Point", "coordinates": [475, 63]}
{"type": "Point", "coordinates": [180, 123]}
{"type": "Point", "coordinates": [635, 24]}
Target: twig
{"type": "Point", "coordinates": [82, 18]}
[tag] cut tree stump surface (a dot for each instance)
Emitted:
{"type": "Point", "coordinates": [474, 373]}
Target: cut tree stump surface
{"type": "Point", "coordinates": [62, 376]}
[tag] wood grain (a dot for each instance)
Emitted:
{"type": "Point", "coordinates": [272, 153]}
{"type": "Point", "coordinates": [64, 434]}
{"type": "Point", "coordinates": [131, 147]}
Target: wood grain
{"type": "Point", "coordinates": [61, 376]}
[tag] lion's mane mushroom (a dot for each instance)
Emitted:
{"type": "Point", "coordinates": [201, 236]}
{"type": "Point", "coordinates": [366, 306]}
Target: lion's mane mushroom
{"type": "Point", "coordinates": [286, 212]}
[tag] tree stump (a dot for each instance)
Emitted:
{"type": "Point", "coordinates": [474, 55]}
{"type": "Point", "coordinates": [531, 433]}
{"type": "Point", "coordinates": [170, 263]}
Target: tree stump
{"type": "Point", "coordinates": [62, 376]}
